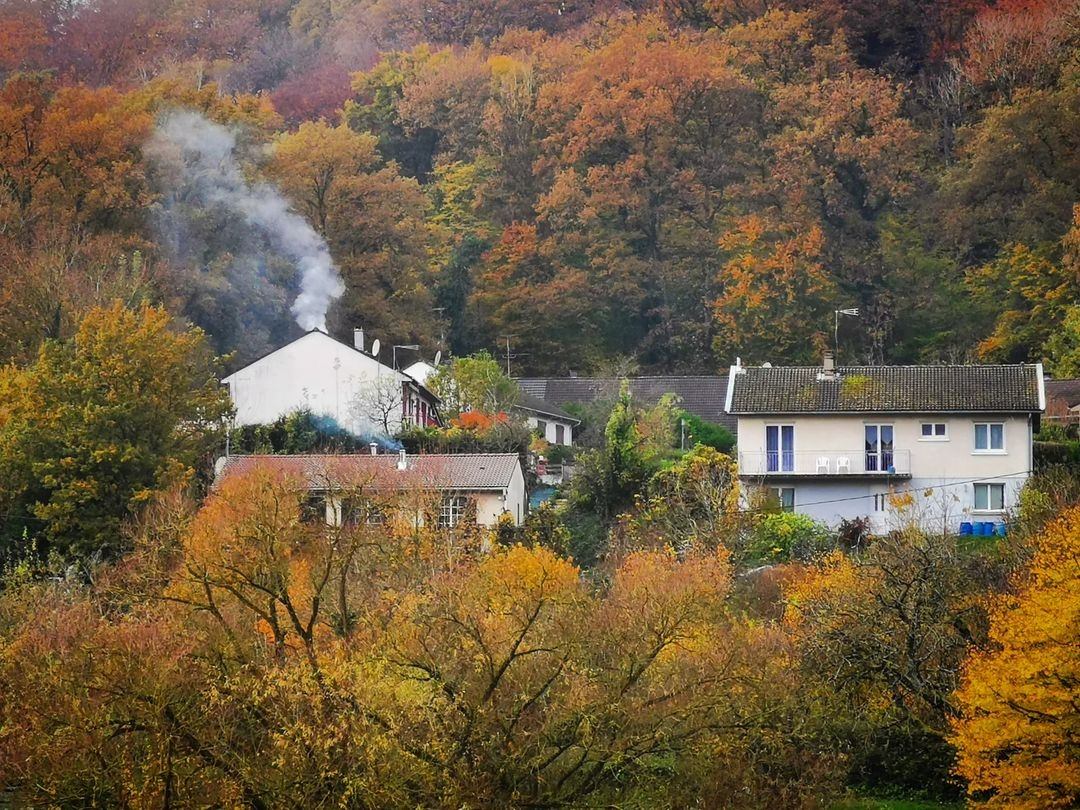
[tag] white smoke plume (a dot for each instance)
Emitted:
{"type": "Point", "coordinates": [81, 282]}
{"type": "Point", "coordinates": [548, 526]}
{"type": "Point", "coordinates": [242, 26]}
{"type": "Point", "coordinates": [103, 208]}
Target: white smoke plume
{"type": "Point", "coordinates": [207, 151]}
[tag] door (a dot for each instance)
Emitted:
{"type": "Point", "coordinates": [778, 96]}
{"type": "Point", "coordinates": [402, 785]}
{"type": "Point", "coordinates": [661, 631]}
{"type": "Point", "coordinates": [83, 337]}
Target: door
{"type": "Point", "coordinates": [879, 448]}
{"type": "Point", "coordinates": [780, 448]}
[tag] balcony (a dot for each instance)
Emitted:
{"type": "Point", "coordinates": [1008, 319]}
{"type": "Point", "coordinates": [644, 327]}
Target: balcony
{"type": "Point", "coordinates": [833, 464]}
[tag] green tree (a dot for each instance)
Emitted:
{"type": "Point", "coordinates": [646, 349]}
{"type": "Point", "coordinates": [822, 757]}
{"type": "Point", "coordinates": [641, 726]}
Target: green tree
{"type": "Point", "coordinates": [97, 426]}
{"type": "Point", "coordinates": [473, 383]}
{"type": "Point", "coordinates": [608, 478]}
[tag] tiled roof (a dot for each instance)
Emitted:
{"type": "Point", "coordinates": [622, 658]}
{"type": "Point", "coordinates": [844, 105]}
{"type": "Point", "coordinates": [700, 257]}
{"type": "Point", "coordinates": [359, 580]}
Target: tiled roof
{"type": "Point", "coordinates": [1068, 391]}
{"type": "Point", "coordinates": [887, 389]}
{"type": "Point", "coordinates": [460, 472]}
{"type": "Point", "coordinates": [528, 402]}
{"type": "Point", "coordinates": [702, 396]}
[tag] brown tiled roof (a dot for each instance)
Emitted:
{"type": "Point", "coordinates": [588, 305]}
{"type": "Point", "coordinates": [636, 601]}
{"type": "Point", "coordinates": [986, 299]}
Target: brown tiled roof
{"type": "Point", "coordinates": [460, 472]}
{"type": "Point", "coordinates": [1068, 391]}
{"type": "Point", "coordinates": [702, 396]}
{"type": "Point", "coordinates": [887, 389]}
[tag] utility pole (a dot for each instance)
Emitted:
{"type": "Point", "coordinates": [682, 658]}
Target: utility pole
{"type": "Point", "coordinates": [508, 355]}
{"type": "Point", "coordinates": [442, 329]}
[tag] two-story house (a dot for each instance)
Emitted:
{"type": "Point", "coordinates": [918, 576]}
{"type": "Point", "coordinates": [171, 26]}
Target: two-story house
{"type": "Point", "coordinates": [938, 444]}
{"type": "Point", "coordinates": [346, 383]}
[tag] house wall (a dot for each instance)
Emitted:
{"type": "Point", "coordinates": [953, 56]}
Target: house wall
{"type": "Point", "coordinates": [319, 373]}
{"type": "Point", "coordinates": [489, 503]}
{"type": "Point", "coordinates": [941, 489]}
{"type": "Point", "coordinates": [549, 431]}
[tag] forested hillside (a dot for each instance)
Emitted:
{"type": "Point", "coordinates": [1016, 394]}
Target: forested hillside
{"type": "Point", "coordinates": [660, 184]}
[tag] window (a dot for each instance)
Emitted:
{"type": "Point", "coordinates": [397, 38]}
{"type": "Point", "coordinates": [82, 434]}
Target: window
{"type": "Point", "coordinates": [541, 428]}
{"type": "Point", "coordinates": [786, 497]}
{"type": "Point", "coordinates": [989, 437]}
{"type": "Point", "coordinates": [780, 448]}
{"type": "Point", "coordinates": [881, 501]}
{"type": "Point", "coordinates": [879, 448]}
{"type": "Point", "coordinates": [356, 512]}
{"type": "Point", "coordinates": [560, 434]}
{"type": "Point", "coordinates": [313, 509]}
{"type": "Point", "coordinates": [452, 510]}
{"type": "Point", "coordinates": [933, 431]}
{"type": "Point", "coordinates": [989, 497]}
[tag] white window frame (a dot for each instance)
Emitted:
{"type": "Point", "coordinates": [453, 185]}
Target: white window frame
{"type": "Point", "coordinates": [879, 454]}
{"type": "Point", "coordinates": [881, 501]}
{"type": "Point", "coordinates": [934, 435]}
{"type": "Point", "coordinates": [988, 450]}
{"type": "Point", "coordinates": [452, 508]}
{"type": "Point", "coordinates": [780, 447]}
{"type": "Point", "coordinates": [988, 508]}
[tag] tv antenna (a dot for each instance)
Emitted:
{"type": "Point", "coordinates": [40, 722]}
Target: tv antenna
{"type": "Point", "coordinates": [852, 312]}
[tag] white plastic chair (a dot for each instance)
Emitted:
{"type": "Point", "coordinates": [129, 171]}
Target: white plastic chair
{"type": "Point", "coordinates": [823, 464]}
{"type": "Point", "coordinates": [843, 464]}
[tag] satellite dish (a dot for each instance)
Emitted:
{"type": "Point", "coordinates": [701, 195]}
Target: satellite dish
{"type": "Point", "coordinates": [375, 346]}
{"type": "Point", "coordinates": [438, 358]}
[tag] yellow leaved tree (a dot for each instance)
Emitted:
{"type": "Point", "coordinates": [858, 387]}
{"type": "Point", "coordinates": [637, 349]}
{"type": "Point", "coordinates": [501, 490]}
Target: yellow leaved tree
{"type": "Point", "coordinates": [1018, 733]}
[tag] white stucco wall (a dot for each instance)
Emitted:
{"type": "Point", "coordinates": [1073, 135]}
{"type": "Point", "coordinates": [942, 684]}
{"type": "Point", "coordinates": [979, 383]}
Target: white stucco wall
{"type": "Point", "coordinates": [943, 471]}
{"type": "Point", "coordinates": [549, 429]}
{"type": "Point", "coordinates": [317, 372]}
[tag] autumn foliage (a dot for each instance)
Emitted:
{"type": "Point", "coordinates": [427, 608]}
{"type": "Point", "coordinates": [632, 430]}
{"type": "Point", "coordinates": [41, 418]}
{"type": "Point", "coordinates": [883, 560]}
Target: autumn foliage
{"type": "Point", "coordinates": [680, 182]}
{"type": "Point", "coordinates": [252, 657]}
{"type": "Point", "coordinates": [1019, 723]}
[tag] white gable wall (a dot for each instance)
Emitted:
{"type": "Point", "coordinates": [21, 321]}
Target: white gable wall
{"type": "Point", "coordinates": [319, 373]}
{"type": "Point", "coordinates": [550, 432]}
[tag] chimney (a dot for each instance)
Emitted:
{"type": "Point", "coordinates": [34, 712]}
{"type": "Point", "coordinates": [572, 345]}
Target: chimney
{"type": "Point", "coordinates": [358, 338]}
{"type": "Point", "coordinates": [374, 448]}
{"type": "Point", "coordinates": [402, 460]}
{"type": "Point", "coordinates": [828, 367]}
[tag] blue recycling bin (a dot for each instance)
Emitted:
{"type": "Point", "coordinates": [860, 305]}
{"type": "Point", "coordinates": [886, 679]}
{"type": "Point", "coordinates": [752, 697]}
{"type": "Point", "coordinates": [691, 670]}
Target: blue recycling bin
{"type": "Point", "coordinates": [1000, 529]}
{"type": "Point", "coordinates": [966, 529]}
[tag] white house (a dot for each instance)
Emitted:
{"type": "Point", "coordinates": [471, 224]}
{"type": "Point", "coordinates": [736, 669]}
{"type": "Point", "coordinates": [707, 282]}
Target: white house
{"type": "Point", "coordinates": [939, 444]}
{"type": "Point", "coordinates": [332, 379]}
{"type": "Point", "coordinates": [482, 487]}
{"type": "Point", "coordinates": [550, 421]}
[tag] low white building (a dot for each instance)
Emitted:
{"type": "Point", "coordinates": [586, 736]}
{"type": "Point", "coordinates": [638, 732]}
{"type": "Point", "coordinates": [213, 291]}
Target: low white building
{"type": "Point", "coordinates": [480, 487]}
{"type": "Point", "coordinates": [942, 445]}
{"type": "Point", "coordinates": [550, 421]}
{"type": "Point", "coordinates": [333, 379]}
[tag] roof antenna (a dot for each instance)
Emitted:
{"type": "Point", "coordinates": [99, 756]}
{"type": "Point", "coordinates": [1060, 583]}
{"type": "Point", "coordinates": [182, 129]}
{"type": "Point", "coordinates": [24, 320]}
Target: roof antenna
{"type": "Point", "coordinates": [852, 312]}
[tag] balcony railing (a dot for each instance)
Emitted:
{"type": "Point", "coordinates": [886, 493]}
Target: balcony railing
{"type": "Point", "coordinates": [893, 463]}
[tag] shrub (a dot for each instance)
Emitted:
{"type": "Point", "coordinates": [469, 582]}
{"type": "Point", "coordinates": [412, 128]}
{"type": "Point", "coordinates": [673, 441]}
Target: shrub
{"type": "Point", "coordinates": [709, 434]}
{"type": "Point", "coordinates": [788, 536]}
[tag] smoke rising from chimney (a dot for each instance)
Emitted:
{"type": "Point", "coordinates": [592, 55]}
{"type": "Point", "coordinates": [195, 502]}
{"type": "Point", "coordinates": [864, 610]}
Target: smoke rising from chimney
{"type": "Point", "coordinates": [209, 164]}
